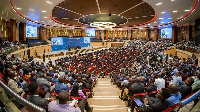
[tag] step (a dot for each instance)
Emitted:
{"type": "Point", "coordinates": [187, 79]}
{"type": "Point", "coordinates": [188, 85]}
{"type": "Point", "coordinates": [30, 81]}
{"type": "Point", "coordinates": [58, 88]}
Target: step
{"type": "Point", "coordinates": [105, 102]}
{"type": "Point", "coordinates": [106, 94]}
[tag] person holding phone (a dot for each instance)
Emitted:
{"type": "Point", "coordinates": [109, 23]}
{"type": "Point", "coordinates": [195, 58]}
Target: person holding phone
{"type": "Point", "coordinates": [155, 104]}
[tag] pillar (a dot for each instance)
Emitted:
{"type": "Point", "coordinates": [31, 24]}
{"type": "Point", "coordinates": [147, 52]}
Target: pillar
{"type": "Point", "coordinates": [41, 32]}
{"type": "Point", "coordinates": [174, 34]}
{"type": "Point", "coordinates": [12, 30]}
{"type": "Point", "coordinates": [156, 31]}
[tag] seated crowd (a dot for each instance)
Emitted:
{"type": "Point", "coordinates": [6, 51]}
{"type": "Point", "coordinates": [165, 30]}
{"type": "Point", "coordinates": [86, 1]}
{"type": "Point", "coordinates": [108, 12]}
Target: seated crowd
{"type": "Point", "coordinates": [140, 67]}
{"type": "Point", "coordinates": [155, 79]}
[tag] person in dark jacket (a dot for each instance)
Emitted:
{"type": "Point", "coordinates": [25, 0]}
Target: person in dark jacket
{"type": "Point", "coordinates": [186, 89]}
{"type": "Point", "coordinates": [156, 104]}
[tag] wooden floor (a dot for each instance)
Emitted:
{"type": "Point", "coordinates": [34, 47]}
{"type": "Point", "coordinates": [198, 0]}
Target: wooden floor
{"type": "Point", "coordinates": [106, 97]}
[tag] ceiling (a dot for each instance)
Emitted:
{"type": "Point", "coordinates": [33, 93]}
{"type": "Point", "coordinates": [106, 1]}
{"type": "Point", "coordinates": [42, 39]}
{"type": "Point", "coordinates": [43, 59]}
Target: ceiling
{"type": "Point", "coordinates": [66, 13]}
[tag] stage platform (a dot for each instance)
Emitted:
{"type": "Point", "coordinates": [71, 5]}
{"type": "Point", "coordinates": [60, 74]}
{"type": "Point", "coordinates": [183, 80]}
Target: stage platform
{"type": "Point", "coordinates": [67, 52]}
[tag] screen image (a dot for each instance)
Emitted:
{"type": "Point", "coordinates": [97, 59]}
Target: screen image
{"type": "Point", "coordinates": [62, 43]}
{"type": "Point", "coordinates": [57, 41]}
{"type": "Point", "coordinates": [166, 33]}
{"type": "Point", "coordinates": [31, 31]}
{"type": "Point", "coordinates": [90, 33]}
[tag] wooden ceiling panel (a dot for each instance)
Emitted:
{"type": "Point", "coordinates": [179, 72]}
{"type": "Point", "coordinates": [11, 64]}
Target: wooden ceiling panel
{"type": "Point", "coordinates": [142, 10]}
{"type": "Point", "coordinates": [83, 7]}
{"type": "Point", "coordinates": [117, 6]}
{"type": "Point", "coordinates": [69, 21]}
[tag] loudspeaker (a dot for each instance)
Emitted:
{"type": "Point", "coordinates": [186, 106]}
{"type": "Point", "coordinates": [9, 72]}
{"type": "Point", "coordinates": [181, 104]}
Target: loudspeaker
{"type": "Point", "coordinates": [109, 14]}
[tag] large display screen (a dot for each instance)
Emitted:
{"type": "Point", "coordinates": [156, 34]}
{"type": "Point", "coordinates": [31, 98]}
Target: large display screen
{"type": "Point", "coordinates": [90, 33]}
{"type": "Point", "coordinates": [31, 31]}
{"type": "Point", "coordinates": [166, 33]}
{"type": "Point", "coordinates": [62, 43]}
{"type": "Point", "coordinates": [57, 41]}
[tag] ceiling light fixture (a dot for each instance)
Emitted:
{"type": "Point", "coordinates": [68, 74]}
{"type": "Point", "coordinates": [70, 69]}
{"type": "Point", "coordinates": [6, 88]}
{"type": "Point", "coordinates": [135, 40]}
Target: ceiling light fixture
{"type": "Point", "coordinates": [159, 3]}
{"type": "Point", "coordinates": [160, 18]}
{"type": "Point", "coordinates": [162, 12]}
{"type": "Point", "coordinates": [187, 10]}
{"type": "Point", "coordinates": [45, 17]}
{"type": "Point", "coordinates": [103, 25]}
{"type": "Point", "coordinates": [44, 11]}
{"type": "Point", "coordinates": [175, 11]}
{"type": "Point", "coordinates": [49, 2]}
{"type": "Point", "coordinates": [31, 9]}
{"type": "Point", "coordinates": [169, 18]}
{"type": "Point", "coordinates": [155, 22]}
{"type": "Point", "coordinates": [19, 8]}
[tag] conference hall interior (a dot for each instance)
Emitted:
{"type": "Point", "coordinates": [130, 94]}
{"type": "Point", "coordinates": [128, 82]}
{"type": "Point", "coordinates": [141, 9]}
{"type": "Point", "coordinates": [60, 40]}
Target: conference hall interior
{"type": "Point", "coordinates": [99, 56]}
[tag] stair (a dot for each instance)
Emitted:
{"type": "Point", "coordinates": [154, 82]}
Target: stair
{"type": "Point", "coordinates": [106, 97]}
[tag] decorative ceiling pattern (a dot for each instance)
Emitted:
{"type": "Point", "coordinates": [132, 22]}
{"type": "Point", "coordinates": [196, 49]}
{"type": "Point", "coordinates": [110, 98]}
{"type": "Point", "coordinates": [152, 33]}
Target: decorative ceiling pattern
{"type": "Point", "coordinates": [66, 13]}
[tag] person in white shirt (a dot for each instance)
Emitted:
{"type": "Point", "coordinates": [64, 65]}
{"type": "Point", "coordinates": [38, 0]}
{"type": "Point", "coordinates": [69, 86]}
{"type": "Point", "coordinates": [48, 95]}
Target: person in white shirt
{"type": "Point", "coordinates": [159, 82]}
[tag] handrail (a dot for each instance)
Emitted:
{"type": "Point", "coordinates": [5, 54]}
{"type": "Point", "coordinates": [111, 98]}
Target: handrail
{"type": "Point", "coordinates": [21, 100]}
{"type": "Point", "coordinates": [190, 98]}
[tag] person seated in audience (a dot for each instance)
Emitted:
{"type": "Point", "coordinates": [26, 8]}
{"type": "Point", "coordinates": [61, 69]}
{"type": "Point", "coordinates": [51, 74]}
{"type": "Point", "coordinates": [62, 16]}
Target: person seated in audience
{"type": "Point", "coordinates": [158, 104]}
{"type": "Point", "coordinates": [43, 83]}
{"type": "Point", "coordinates": [196, 84]}
{"type": "Point", "coordinates": [33, 78]}
{"type": "Point", "coordinates": [13, 84]}
{"type": "Point", "coordinates": [55, 79]}
{"type": "Point", "coordinates": [176, 79]}
{"type": "Point", "coordinates": [35, 98]}
{"type": "Point", "coordinates": [159, 82]}
{"type": "Point", "coordinates": [175, 96]}
{"type": "Point", "coordinates": [62, 104]}
{"type": "Point", "coordinates": [136, 87]}
{"type": "Point", "coordinates": [151, 87]}
{"type": "Point", "coordinates": [60, 86]}
{"type": "Point", "coordinates": [186, 89]}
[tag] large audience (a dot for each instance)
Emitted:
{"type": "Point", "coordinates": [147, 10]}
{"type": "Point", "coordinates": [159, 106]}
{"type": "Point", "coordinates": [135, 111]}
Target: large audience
{"type": "Point", "coordinates": [140, 68]}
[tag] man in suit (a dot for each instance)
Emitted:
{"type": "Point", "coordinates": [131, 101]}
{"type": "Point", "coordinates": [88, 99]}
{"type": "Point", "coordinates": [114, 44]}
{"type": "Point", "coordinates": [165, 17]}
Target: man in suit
{"type": "Point", "coordinates": [43, 83]}
{"type": "Point", "coordinates": [35, 98]}
{"type": "Point", "coordinates": [136, 87]}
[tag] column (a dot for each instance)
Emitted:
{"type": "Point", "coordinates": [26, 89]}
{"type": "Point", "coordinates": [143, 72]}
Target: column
{"type": "Point", "coordinates": [156, 31]}
{"type": "Point", "coordinates": [174, 34]}
{"type": "Point", "coordinates": [41, 36]}
{"type": "Point", "coordinates": [12, 30]}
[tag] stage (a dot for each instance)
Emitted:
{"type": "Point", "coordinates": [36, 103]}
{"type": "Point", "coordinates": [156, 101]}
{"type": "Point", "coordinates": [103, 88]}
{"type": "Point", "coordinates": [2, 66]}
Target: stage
{"type": "Point", "coordinates": [67, 52]}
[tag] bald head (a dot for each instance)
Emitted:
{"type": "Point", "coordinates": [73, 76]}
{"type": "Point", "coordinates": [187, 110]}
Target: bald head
{"type": "Point", "coordinates": [173, 88]}
{"type": "Point", "coordinates": [63, 97]}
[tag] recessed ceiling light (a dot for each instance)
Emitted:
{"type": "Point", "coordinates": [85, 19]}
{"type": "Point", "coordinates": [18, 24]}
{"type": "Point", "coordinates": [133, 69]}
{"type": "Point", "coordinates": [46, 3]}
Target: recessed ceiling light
{"type": "Point", "coordinates": [162, 22]}
{"type": "Point", "coordinates": [187, 10]}
{"type": "Point", "coordinates": [31, 9]}
{"type": "Point", "coordinates": [152, 15]}
{"type": "Point", "coordinates": [13, 18]}
{"type": "Point", "coordinates": [149, 24]}
{"type": "Point", "coordinates": [19, 8]}
{"type": "Point", "coordinates": [36, 21]}
{"type": "Point", "coordinates": [162, 12]}
{"type": "Point", "coordinates": [159, 3]}
{"type": "Point", "coordinates": [160, 18]}
{"type": "Point", "coordinates": [144, 16]}
{"type": "Point", "coordinates": [172, 0]}
{"type": "Point", "coordinates": [42, 21]}
{"type": "Point", "coordinates": [129, 18]}
{"type": "Point", "coordinates": [44, 11]}
{"type": "Point", "coordinates": [169, 18]}
{"type": "Point", "coordinates": [49, 2]}
{"type": "Point", "coordinates": [136, 17]}
{"type": "Point", "coordinates": [50, 21]}
{"type": "Point", "coordinates": [45, 17]}
{"type": "Point", "coordinates": [155, 22]}
{"type": "Point", "coordinates": [175, 11]}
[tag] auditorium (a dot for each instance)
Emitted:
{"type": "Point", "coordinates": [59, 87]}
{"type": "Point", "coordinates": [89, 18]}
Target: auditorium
{"type": "Point", "coordinates": [99, 56]}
